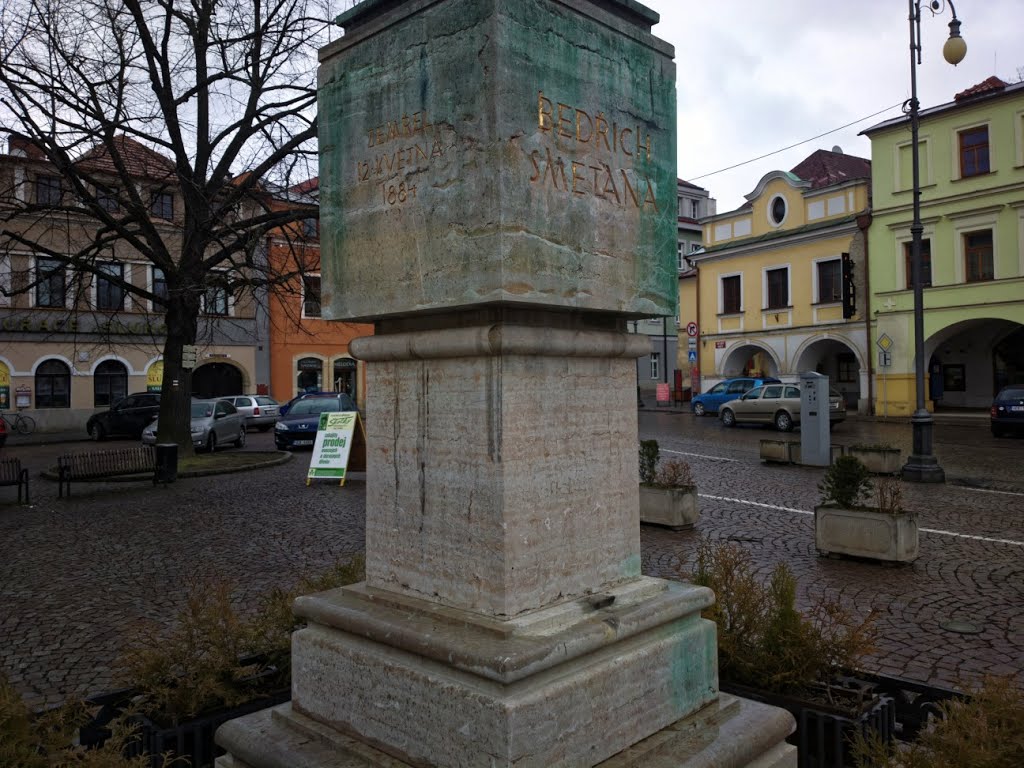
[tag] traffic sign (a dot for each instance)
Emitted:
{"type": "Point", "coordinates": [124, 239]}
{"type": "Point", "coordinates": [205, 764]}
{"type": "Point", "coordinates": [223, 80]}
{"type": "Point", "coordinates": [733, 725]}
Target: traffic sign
{"type": "Point", "coordinates": [692, 355]}
{"type": "Point", "coordinates": [691, 329]}
{"type": "Point", "coordinates": [691, 343]}
{"type": "Point", "coordinates": [885, 342]}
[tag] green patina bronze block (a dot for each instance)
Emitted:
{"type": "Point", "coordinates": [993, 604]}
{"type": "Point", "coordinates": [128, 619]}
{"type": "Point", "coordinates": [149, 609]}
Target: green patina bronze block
{"type": "Point", "coordinates": [498, 152]}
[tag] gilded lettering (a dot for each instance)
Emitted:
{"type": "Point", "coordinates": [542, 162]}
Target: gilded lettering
{"type": "Point", "coordinates": [392, 130]}
{"type": "Point", "coordinates": [420, 152]}
{"type": "Point", "coordinates": [609, 184]}
{"type": "Point", "coordinates": [25, 325]}
{"type": "Point", "coordinates": [623, 140]}
{"type": "Point", "coordinates": [369, 138]}
{"type": "Point", "coordinates": [563, 120]}
{"type": "Point", "coordinates": [601, 129]}
{"type": "Point", "coordinates": [544, 109]}
{"type": "Point", "coordinates": [363, 171]}
{"type": "Point", "coordinates": [536, 166]}
{"type": "Point", "coordinates": [437, 150]}
{"type": "Point", "coordinates": [44, 326]}
{"type": "Point", "coordinates": [598, 192]}
{"type": "Point", "coordinates": [579, 126]}
{"type": "Point", "coordinates": [576, 177]}
{"type": "Point", "coordinates": [629, 188]}
{"type": "Point", "coordinates": [549, 168]}
{"type": "Point", "coordinates": [649, 197]}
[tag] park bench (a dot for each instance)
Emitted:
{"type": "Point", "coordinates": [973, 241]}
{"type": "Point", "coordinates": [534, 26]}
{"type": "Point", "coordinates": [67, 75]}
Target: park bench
{"type": "Point", "coordinates": [11, 473]}
{"type": "Point", "coordinates": [97, 465]}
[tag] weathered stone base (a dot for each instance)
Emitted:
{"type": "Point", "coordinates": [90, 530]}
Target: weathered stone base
{"type": "Point", "coordinates": [728, 733]}
{"type": "Point", "coordinates": [577, 681]}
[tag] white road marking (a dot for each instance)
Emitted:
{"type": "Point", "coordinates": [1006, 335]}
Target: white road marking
{"type": "Point", "coordinates": [989, 539]}
{"type": "Point", "coordinates": [988, 490]}
{"type": "Point", "coordinates": [699, 455]}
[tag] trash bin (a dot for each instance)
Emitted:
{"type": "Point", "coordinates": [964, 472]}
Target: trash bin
{"type": "Point", "coordinates": [166, 463]}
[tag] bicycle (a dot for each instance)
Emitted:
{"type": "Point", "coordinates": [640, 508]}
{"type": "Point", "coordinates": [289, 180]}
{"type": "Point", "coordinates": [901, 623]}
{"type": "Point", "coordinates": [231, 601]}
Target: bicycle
{"type": "Point", "coordinates": [23, 425]}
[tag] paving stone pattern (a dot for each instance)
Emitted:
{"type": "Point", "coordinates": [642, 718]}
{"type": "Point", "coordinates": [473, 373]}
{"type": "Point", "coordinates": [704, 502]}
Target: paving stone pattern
{"type": "Point", "coordinates": [78, 577]}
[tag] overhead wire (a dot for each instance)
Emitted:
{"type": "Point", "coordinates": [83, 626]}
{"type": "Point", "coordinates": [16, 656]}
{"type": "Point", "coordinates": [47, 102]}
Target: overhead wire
{"type": "Point", "coordinates": [799, 143]}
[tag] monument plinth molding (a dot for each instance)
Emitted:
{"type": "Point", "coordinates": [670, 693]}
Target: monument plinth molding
{"type": "Point", "coordinates": [498, 196]}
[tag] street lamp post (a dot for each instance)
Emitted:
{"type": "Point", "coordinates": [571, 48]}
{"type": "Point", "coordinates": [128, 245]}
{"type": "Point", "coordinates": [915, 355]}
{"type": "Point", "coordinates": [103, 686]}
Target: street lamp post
{"type": "Point", "coordinates": [922, 466]}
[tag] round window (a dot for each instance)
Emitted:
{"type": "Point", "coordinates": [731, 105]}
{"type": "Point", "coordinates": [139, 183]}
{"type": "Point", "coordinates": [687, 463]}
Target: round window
{"type": "Point", "coordinates": [777, 210]}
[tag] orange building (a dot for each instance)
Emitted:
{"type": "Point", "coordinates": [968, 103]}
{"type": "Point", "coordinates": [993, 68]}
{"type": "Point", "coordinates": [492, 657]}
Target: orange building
{"type": "Point", "coordinates": [308, 353]}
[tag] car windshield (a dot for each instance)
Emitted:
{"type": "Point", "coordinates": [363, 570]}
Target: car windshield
{"type": "Point", "coordinates": [266, 401]}
{"type": "Point", "coordinates": [317, 405]}
{"type": "Point", "coordinates": [1011, 394]}
{"type": "Point", "coordinates": [202, 410]}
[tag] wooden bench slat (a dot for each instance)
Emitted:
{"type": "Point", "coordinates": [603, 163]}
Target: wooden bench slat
{"type": "Point", "coordinates": [12, 473]}
{"type": "Point", "coordinates": [96, 465]}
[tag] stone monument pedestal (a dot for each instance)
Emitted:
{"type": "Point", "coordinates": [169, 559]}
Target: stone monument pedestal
{"type": "Point", "coordinates": [498, 188]}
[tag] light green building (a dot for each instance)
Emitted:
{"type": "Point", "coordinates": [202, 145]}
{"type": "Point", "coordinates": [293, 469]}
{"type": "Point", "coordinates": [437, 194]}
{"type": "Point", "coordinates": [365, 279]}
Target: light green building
{"type": "Point", "coordinates": [972, 209]}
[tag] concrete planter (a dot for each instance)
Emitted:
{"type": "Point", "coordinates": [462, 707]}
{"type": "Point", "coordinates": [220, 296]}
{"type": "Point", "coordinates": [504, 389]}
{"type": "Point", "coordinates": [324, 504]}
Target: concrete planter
{"type": "Point", "coordinates": [795, 453]}
{"type": "Point", "coordinates": [866, 533]}
{"type": "Point", "coordinates": [776, 451]}
{"type": "Point", "coordinates": [879, 461]}
{"type": "Point", "coordinates": [674, 508]}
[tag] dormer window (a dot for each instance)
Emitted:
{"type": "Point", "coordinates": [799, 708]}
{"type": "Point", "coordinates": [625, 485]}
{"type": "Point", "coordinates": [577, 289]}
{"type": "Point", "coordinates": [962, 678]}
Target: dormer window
{"type": "Point", "coordinates": [777, 210]}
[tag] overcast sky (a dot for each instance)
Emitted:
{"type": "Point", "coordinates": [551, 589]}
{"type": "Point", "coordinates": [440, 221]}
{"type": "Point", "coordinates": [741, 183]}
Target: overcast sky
{"type": "Point", "coordinates": [754, 77]}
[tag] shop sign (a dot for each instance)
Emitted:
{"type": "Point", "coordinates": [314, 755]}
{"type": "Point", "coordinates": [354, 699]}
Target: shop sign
{"type": "Point", "coordinates": [155, 376]}
{"type": "Point", "coordinates": [5, 388]}
{"type": "Point", "coordinates": [336, 435]}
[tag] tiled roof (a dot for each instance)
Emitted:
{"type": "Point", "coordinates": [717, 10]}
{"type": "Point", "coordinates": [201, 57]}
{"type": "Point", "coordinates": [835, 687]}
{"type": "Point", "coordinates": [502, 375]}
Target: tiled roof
{"type": "Point", "coordinates": [309, 185]}
{"type": "Point", "coordinates": [986, 86]}
{"type": "Point", "coordinates": [824, 168]}
{"type": "Point", "coordinates": [139, 160]}
{"type": "Point", "coordinates": [691, 185]}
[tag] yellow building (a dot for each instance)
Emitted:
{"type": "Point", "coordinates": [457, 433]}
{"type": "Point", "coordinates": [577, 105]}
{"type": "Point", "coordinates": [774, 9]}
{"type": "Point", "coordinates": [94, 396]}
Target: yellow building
{"type": "Point", "coordinates": [771, 279]}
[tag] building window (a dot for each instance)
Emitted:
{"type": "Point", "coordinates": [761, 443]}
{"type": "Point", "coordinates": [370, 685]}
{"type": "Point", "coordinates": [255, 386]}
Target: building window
{"type": "Point", "coordinates": [49, 190]}
{"type": "Point", "coordinates": [53, 385]}
{"type": "Point", "coordinates": [655, 365]}
{"type": "Point", "coordinates": [777, 210]}
{"type": "Point", "coordinates": [926, 264]}
{"type": "Point", "coordinates": [107, 199]}
{"type": "Point", "coordinates": [109, 293]}
{"type": "Point", "coordinates": [978, 256]}
{"type": "Point", "coordinates": [311, 228]}
{"type": "Point", "coordinates": [109, 383]}
{"type": "Point", "coordinates": [215, 300]}
{"type": "Point", "coordinates": [680, 255]}
{"type": "Point", "coordinates": [830, 281]}
{"type": "Point", "coordinates": [311, 296]}
{"type": "Point", "coordinates": [310, 374]}
{"type": "Point", "coordinates": [731, 295]}
{"type": "Point", "coordinates": [163, 205]}
{"type": "Point", "coordinates": [847, 367]}
{"type": "Point", "coordinates": [694, 247]}
{"type": "Point", "coordinates": [158, 287]}
{"type": "Point", "coordinates": [5, 280]}
{"type": "Point", "coordinates": [973, 151]}
{"type": "Point", "coordinates": [778, 288]}
{"type": "Point", "coordinates": [695, 209]}
{"type": "Point", "coordinates": [51, 283]}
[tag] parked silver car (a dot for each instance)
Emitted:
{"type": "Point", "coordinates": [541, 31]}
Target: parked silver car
{"type": "Point", "coordinates": [214, 423]}
{"type": "Point", "coordinates": [777, 404]}
{"type": "Point", "coordinates": [258, 411]}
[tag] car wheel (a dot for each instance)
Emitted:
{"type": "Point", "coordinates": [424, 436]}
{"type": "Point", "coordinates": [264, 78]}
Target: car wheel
{"type": "Point", "coordinates": [783, 421]}
{"type": "Point", "coordinates": [211, 442]}
{"type": "Point", "coordinates": [96, 432]}
{"type": "Point", "coordinates": [240, 442]}
{"type": "Point", "coordinates": [698, 409]}
{"type": "Point", "coordinates": [728, 418]}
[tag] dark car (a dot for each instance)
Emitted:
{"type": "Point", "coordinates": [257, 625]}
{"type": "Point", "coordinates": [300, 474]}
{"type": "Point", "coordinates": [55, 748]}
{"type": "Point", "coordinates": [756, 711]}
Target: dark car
{"type": "Point", "coordinates": [127, 417]}
{"type": "Point", "coordinates": [298, 427]}
{"type": "Point", "coordinates": [282, 410]}
{"type": "Point", "coordinates": [1007, 413]}
{"type": "Point", "coordinates": [3, 433]}
{"type": "Point", "coordinates": [724, 391]}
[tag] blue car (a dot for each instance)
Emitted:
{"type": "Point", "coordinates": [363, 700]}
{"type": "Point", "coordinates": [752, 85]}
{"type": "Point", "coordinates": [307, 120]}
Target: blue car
{"type": "Point", "coordinates": [724, 391]}
{"type": "Point", "coordinates": [1007, 413]}
{"type": "Point", "coordinates": [298, 427]}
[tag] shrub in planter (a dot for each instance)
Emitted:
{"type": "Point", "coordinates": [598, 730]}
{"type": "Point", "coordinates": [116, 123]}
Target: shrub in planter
{"type": "Point", "coordinates": [771, 652]}
{"type": "Point", "coordinates": [47, 740]}
{"type": "Point", "coordinates": [847, 523]}
{"type": "Point", "coordinates": [984, 730]}
{"type": "Point", "coordinates": [668, 493]}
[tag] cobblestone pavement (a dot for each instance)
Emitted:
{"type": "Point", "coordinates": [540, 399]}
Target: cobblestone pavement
{"type": "Point", "coordinates": [971, 566]}
{"type": "Point", "coordinates": [77, 577]}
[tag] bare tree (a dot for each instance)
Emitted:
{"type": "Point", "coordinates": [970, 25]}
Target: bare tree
{"type": "Point", "coordinates": [136, 102]}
